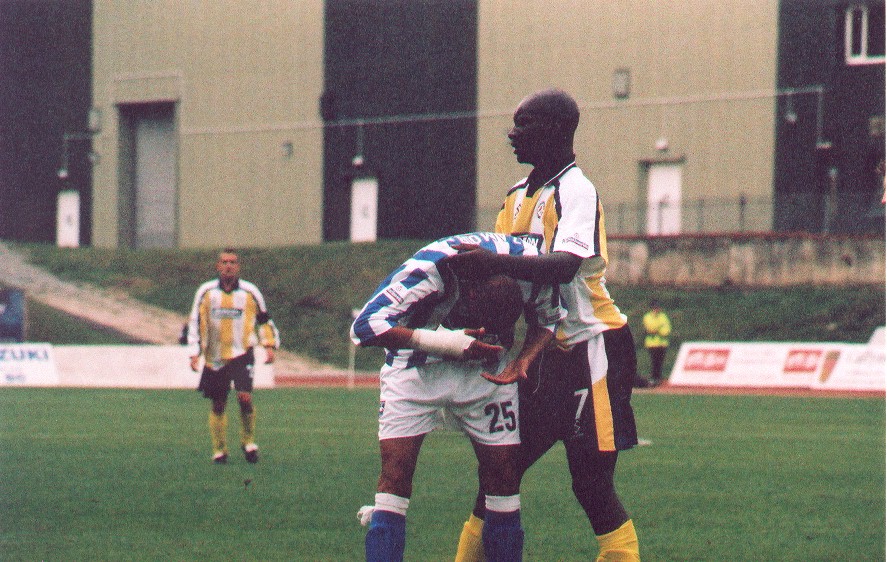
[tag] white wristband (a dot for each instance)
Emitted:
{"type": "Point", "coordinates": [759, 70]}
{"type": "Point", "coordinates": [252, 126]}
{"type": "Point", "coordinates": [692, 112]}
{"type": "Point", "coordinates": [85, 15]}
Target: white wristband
{"type": "Point", "coordinates": [441, 342]}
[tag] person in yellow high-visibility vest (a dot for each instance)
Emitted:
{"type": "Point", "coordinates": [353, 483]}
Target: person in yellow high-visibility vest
{"type": "Point", "coordinates": [657, 327]}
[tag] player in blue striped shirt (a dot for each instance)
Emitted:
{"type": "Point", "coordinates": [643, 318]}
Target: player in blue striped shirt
{"type": "Point", "coordinates": [450, 348]}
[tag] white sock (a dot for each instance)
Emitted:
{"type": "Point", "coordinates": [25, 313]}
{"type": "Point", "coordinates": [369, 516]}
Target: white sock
{"type": "Point", "coordinates": [503, 504]}
{"type": "Point", "coordinates": [390, 502]}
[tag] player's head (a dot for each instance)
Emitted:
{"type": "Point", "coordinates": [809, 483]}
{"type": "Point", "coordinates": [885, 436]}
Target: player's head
{"type": "Point", "coordinates": [494, 303]}
{"type": "Point", "coordinates": [544, 125]}
{"type": "Point", "coordinates": [228, 265]}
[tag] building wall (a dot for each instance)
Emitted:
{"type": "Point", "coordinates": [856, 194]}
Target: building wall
{"type": "Point", "coordinates": [836, 106]}
{"type": "Point", "coordinates": [702, 76]}
{"type": "Point", "coordinates": [407, 71]}
{"type": "Point", "coordinates": [245, 78]}
{"type": "Point", "coordinates": [255, 165]}
{"type": "Point", "coordinates": [44, 94]}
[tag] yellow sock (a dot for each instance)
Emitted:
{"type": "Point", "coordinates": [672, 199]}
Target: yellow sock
{"type": "Point", "coordinates": [471, 546]}
{"type": "Point", "coordinates": [620, 545]}
{"type": "Point", "coordinates": [248, 428]}
{"type": "Point", "coordinates": [218, 431]}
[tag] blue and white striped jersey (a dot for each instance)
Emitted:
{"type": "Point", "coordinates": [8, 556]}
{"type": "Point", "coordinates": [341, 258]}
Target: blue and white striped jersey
{"type": "Point", "coordinates": [419, 295]}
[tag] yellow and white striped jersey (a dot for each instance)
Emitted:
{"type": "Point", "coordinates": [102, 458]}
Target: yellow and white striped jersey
{"type": "Point", "coordinates": [565, 215]}
{"type": "Point", "coordinates": [223, 325]}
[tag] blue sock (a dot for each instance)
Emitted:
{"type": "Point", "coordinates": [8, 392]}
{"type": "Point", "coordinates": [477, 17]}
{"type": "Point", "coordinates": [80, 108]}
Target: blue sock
{"type": "Point", "coordinates": [503, 536]}
{"type": "Point", "coordinates": [386, 537]}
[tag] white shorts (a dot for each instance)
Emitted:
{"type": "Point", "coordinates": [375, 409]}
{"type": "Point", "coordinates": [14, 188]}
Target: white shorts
{"type": "Point", "coordinates": [414, 401]}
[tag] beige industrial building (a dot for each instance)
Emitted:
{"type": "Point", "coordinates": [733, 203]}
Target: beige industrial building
{"type": "Point", "coordinates": [223, 122]}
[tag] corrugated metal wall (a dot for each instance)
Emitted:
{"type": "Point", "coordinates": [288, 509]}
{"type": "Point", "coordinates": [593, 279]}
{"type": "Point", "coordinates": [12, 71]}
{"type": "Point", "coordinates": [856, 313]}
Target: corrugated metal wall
{"type": "Point", "coordinates": [245, 78]}
{"type": "Point", "coordinates": [44, 95]}
{"type": "Point", "coordinates": [408, 70]}
{"type": "Point", "coordinates": [702, 76]}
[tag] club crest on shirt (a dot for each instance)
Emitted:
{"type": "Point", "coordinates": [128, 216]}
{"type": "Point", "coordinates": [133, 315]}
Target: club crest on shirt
{"type": "Point", "coordinates": [381, 408]}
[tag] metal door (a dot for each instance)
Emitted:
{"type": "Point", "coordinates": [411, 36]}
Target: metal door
{"type": "Point", "coordinates": [155, 182]}
{"type": "Point", "coordinates": [664, 198]}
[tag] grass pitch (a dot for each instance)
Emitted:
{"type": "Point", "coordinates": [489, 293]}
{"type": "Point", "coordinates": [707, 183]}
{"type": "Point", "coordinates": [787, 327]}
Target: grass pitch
{"type": "Point", "coordinates": [90, 474]}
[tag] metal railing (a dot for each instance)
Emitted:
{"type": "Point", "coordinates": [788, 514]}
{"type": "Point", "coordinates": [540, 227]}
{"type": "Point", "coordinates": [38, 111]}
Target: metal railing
{"type": "Point", "coordinates": [849, 213]}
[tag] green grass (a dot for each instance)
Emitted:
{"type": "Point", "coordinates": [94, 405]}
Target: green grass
{"type": "Point", "coordinates": [125, 475]}
{"type": "Point", "coordinates": [46, 324]}
{"type": "Point", "coordinates": [311, 291]}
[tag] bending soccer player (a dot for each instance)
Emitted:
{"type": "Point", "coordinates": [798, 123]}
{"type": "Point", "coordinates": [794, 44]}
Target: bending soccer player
{"type": "Point", "coordinates": [446, 347]}
{"type": "Point", "coordinates": [580, 391]}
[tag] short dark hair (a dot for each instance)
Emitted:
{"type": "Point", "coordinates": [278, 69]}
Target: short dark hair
{"type": "Point", "coordinates": [502, 301]}
{"type": "Point", "coordinates": [557, 105]}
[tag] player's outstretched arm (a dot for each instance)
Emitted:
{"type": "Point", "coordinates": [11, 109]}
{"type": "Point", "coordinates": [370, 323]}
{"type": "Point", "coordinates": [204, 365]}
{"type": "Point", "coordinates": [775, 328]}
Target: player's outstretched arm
{"type": "Point", "coordinates": [451, 344]}
{"type": "Point", "coordinates": [473, 261]}
{"type": "Point", "coordinates": [537, 339]}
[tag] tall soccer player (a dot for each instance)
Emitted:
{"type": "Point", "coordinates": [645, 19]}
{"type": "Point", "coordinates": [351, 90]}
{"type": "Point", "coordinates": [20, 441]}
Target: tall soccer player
{"type": "Point", "coordinates": [227, 314]}
{"type": "Point", "coordinates": [580, 391]}
{"type": "Point", "coordinates": [446, 342]}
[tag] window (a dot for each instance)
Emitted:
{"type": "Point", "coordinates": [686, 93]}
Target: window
{"type": "Point", "coordinates": [864, 34]}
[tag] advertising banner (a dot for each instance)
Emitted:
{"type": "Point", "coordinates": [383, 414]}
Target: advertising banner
{"type": "Point", "coordinates": [113, 366]}
{"type": "Point", "coordinates": [824, 366]}
{"type": "Point", "coordinates": [139, 366]}
{"type": "Point", "coordinates": [27, 364]}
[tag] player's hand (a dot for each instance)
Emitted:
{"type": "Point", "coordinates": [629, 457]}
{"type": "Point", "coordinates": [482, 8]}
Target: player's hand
{"type": "Point", "coordinates": [195, 363]}
{"type": "Point", "coordinates": [483, 352]}
{"type": "Point", "coordinates": [476, 333]}
{"type": "Point", "coordinates": [472, 261]}
{"type": "Point", "coordinates": [513, 372]}
{"type": "Point", "coordinates": [269, 355]}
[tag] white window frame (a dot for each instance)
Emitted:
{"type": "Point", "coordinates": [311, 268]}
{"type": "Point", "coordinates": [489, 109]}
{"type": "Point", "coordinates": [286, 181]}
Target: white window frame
{"type": "Point", "coordinates": [863, 33]}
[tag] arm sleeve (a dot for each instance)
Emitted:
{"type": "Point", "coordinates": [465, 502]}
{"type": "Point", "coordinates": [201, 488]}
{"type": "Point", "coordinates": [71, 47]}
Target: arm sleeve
{"type": "Point", "coordinates": [648, 323]}
{"type": "Point", "coordinates": [194, 343]}
{"type": "Point", "coordinates": [502, 226]}
{"type": "Point", "coordinates": [269, 336]}
{"type": "Point", "coordinates": [580, 216]}
{"type": "Point", "coordinates": [665, 328]}
{"type": "Point", "coordinates": [393, 301]}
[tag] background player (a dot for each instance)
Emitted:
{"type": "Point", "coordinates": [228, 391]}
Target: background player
{"type": "Point", "coordinates": [581, 391]}
{"type": "Point", "coordinates": [440, 336]}
{"type": "Point", "coordinates": [222, 328]}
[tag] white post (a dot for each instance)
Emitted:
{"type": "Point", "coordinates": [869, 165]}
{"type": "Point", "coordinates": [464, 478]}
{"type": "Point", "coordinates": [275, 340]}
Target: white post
{"type": "Point", "coordinates": [68, 219]}
{"type": "Point", "coordinates": [352, 353]}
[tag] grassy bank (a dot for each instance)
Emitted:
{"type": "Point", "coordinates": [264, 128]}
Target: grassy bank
{"type": "Point", "coordinates": [311, 291]}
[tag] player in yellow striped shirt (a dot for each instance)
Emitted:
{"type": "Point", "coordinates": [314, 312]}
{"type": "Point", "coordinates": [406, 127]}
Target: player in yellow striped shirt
{"type": "Point", "coordinates": [226, 315]}
{"type": "Point", "coordinates": [580, 391]}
